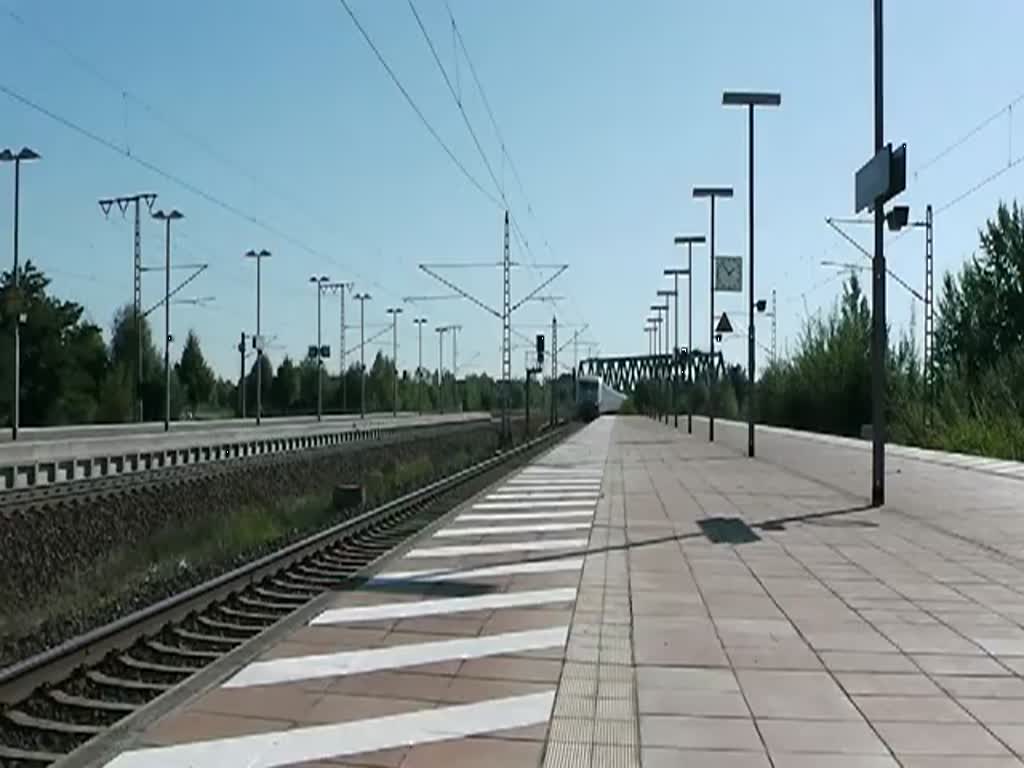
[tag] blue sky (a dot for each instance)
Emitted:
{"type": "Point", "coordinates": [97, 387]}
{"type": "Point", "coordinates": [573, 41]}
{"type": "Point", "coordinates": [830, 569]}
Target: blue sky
{"type": "Point", "coordinates": [610, 113]}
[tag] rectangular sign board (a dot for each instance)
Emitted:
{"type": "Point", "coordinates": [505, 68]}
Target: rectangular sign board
{"type": "Point", "coordinates": [872, 180]}
{"type": "Point", "coordinates": [729, 274]}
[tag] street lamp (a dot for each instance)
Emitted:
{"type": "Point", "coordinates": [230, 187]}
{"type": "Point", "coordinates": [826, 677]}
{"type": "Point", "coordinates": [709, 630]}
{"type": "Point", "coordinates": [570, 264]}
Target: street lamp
{"type": "Point", "coordinates": [670, 380]}
{"type": "Point", "coordinates": [318, 282]}
{"type": "Point", "coordinates": [258, 342]}
{"type": "Point", "coordinates": [394, 312]}
{"type": "Point", "coordinates": [659, 321]}
{"type": "Point", "coordinates": [167, 218]}
{"type": "Point", "coordinates": [689, 241]}
{"type": "Point", "coordinates": [713, 193]}
{"type": "Point", "coordinates": [7, 156]}
{"type": "Point", "coordinates": [750, 100]}
{"type": "Point", "coordinates": [420, 321]}
{"type": "Point", "coordinates": [362, 298]}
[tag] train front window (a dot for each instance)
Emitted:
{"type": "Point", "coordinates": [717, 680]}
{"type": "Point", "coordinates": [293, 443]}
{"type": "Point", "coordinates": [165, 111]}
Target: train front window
{"type": "Point", "coordinates": [588, 390]}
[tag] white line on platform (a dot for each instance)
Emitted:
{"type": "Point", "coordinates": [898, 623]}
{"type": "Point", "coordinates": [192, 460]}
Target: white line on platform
{"type": "Point", "coordinates": [465, 574]}
{"type": "Point", "coordinates": [322, 742]}
{"type": "Point", "coordinates": [462, 550]}
{"type": "Point", "coordinates": [487, 517]}
{"type": "Point", "coordinates": [344, 663]}
{"type": "Point", "coordinates": [553, 484]}
{"type": "Point", "coordinates": [504, 530]}
{"type": "Point", "coordinates": [560, 471]}
{"type": "Point", "coordinates": [538, 504]}
{"type": "Point", "coordinates": [507, 495]}
{"type": "Point", "coordinates": [445, 605]}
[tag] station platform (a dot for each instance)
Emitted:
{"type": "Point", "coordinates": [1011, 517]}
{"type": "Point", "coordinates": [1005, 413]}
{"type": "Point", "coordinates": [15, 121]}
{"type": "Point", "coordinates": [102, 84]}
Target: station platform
{"type": "Point", "coordinates": [642, 597]}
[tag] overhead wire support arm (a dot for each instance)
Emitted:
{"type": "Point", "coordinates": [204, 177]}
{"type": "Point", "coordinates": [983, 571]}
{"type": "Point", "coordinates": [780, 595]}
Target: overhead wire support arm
{"type": "Point", "coordinates": [832, 223]}
{"type": "Point", "coordinates": [560, 268]}
{"type": "Point", "coordinates": [457, 289]}
{"type": "Point", "coordinates": [199, 269]}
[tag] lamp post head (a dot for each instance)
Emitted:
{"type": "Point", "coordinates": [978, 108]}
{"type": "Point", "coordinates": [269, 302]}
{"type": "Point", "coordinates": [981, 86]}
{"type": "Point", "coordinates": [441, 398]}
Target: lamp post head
{"type": "Point", "coordinates": [667, 293]}
{"type": "Point", "coordinates": [262, 254]}
{"type": "Point", "coordinates": [23, 155]}
{"type": "Point", "coordinates": [320, 279]}
{"type": "Point", "coordinates": [174, 215]}
{"type": "Point", "coordinates": [712, 192]}
{"type": "Point", "coordinates": [751, 99]}
{"type": "Point", "coordinates": [689, 239]}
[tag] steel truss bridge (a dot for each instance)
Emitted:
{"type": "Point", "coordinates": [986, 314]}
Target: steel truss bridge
{"type": "Point", "coordinates": [624, 373]}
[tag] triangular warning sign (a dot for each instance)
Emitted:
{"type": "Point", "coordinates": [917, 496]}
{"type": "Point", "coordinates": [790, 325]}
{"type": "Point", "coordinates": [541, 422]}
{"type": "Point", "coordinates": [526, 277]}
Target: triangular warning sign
{"type": "Point", "coordinates": [724, 326]}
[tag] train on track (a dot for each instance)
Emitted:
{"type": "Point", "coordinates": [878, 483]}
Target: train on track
{"type": "Point", "coordinates": [594, 397]}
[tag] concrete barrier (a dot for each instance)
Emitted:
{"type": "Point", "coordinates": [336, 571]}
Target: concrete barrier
{"type": "Point", "coordinates": [30, 463]}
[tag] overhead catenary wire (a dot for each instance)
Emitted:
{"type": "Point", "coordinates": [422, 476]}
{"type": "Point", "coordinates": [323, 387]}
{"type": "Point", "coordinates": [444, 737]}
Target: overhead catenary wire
{"type": "Point", "coordinates": [415, 108]}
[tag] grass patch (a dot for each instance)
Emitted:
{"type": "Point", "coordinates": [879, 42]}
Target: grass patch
{"type": "Point", "coordinates": [135, 574]}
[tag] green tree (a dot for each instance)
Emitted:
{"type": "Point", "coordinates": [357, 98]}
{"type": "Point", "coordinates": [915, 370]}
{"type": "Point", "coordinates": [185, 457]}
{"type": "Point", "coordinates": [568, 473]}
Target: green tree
{"type": "Point", "coordinates": [285, 389]}
{"type": "Point", "coordinates": [124, 350]}
{"type": "Point", "coordinates": [63, 358]}
{"type": "Point", "coordinates": [195, 375]}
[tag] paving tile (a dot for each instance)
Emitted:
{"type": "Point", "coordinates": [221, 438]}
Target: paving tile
{"type": "Point", "coordinates": [949, 664]}
{"type": "Point", "coordinates": [660, 757]}
{"type": "Point", "coordinates": [663, 701]}
{"type": "Point", "coordinates": [494, 753]}
{"type": "Point", "coordinates": [917, 709]}
{"type": "Point", "coordinates": [856, 661]}
{"type": "Point", "coordinates": [686, 678]}
{"type": "Point", "coordinates": [198, 726]}
{"type": "Point", "coordinates": [840, 737]}
{"type": "Point", "coordinates": [698, 732]}
{"type": "Point", "coordinates": [964, 739]}
{"type": "Point", "coordinates": [948, 761]}
{"type": "Point", "coordinates": [989, 711]}
{"type": "Point", "coordinates": [795, 694]}
{"type": "Point", "coordinates": [567, 755]}
{"type": "Point", "coordinates": [995, 687]}
{"type": "Point", "coordinates": [887, 683]}
{"type": "Point", "coordinates": [832, 760]}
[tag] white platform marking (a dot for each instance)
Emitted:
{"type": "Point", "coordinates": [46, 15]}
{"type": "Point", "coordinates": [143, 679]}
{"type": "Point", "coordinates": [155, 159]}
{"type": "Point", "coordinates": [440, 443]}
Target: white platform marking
{"type": "Point", "coordinates": [461, 550]}
{"type": "Point", "coordinates": [445, 605]}
{"type": "Point", "coordinates": [553, 485]}
{"type": "Point", "coordinates": [537, 504]}
{"type": "Point", "coordinates": [490, 516]}
{"type": "Point", "coordinates": [455, 574]}
{"type": "Point", "coordinates": [375, 659]}
{"type": "Point", "coordinates": [506, 495]}
{"type": "Point", "coordinates": [323, 742]}
{"type": "Point", "coordinates": [504, 530]}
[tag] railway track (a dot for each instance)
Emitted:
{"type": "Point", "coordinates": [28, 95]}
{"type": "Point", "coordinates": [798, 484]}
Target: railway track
{"type": "Point", "coordinates": [56, 702]}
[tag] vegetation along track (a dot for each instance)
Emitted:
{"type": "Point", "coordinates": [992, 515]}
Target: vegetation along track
{"type": "Point", "coordinates": [55, 702]}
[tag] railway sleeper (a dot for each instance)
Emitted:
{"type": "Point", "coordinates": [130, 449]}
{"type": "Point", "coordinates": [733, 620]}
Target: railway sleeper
{"type": "Point", "coordinates": [70, 700]}
{"type": "Point", "coordinates": [26, 720]}
{"type": "Point", "coordinates": [17, 755]}
{"type": "Point", "coordinates": [154, 667]}
{"type": "Point", "coordinates": [112, 681]}
{"type": "Point", "coordinates": [268, 605]}
{"type": "Point", "coordinates": [266, 619]}
{"type": "Point", "coordinates": [246, 630]}
{"type": "Point", "coordinates": [175, 651]}
{"type": "Point", "coordinates": [201, 637]}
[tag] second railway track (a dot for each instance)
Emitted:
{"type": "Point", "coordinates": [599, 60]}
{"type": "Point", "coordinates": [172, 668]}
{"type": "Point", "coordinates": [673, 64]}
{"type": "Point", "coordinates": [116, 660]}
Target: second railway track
{"type": "Point", "coordinates": [55, 702]}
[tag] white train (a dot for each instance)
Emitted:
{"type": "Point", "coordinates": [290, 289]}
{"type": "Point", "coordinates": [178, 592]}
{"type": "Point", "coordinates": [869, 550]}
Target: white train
{"type": "Point", "coordinates": [594, 397]}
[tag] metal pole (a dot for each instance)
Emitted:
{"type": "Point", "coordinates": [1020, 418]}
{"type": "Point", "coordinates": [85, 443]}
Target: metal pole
{"type": "Point", "coordinates": [419, 364]}
{"type": "Point", "coordinates": [711, 334]}
{"type": "Point", "coordinates": [259, 345]}
{"type": "Point", "coordinates": [167, 326]}
{"type": "Point", "coordinates": [750, 323]}
{"type": "Point", "coordinates": [666, 385]}
{"type": "Point", "coordinates": [241, 376]}
{"type": "Point", "coordinates": [929, 315]}
{"type": "Point", "coordinates": [137, 295]}
{"type": "Point", "coordinates": [456, 405]}
{"type": "Point", "coordinates": [689, 342]}
{"type": "Point", "coordinates": [362, 357]}
{"type": "Point", "coordinates": [319, 359]}
{"type": "Point", "coordinates": [878, 342]}
{"type": "Point", "coordinates": [394, 364]}
{"type": "Point", "coordinates": [343, 355]}
{"type": "Point", "coordinates": [675, 358]}
{"type": "Point", "coordinates": [16, 395]}
{"type": "Point", "coordinates": [440, 370]}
